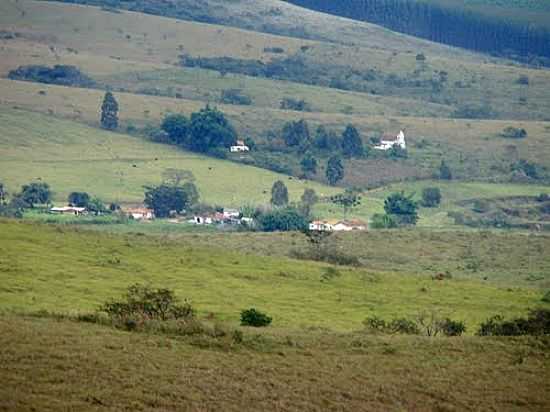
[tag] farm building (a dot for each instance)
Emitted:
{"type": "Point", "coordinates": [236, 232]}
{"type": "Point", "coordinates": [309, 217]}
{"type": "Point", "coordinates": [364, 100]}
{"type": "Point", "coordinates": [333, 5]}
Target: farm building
{"type": "Point", "coordinates": [388, 141]}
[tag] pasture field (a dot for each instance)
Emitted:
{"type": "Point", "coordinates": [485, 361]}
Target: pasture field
{"type": "Point", "coordinates": [68, 365]}
{"type": "Point", "coordinates": [497, 257]}
{"type": "Point", "coordinates": [115, 167]}
{"type": "Point", "coordinates": [61, 269]}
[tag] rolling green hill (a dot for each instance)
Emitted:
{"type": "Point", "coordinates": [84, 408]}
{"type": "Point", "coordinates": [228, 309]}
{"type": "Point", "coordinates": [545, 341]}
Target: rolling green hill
{"type": "Point", "coordinates": [73, 157]}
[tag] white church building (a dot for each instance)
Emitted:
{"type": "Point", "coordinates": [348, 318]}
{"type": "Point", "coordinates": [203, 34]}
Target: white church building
{"type": "Point", "coordinates": [388, 141]}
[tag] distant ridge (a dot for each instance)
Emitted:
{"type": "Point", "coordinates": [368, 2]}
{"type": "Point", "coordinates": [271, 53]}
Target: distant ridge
{"type": "Point", "coordinates": [452, 25]}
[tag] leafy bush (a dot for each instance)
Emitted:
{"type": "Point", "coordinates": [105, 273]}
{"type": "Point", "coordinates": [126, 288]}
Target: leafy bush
{"type": "Point", "coordinates": [399, 325]}
{"type": "Point", "coordinates": [514, 133]}
{"type": "Point", "coordinates": [383, 221]}
{"type": "Point", "coordinates": [536, 323]}
{"type": "Point", "coordinates": [546, 297]}
{"type": "Point", "coordinates": [288, 103]}
{"type": "Point", "coordinates": [452, 327]}
{"type": "Point", "coordinates": [145, 303]}
{"type": "Point", "coordinates": [235, 96]}
{"type": "Point", "coordinates": [253, 317]}
{"type": "Point", "coordinates": [431, 197]}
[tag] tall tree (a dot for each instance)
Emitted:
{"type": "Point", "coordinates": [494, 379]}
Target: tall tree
{"type": "Point", "coordinates": [352, 145]}
{"type": "Point", "coordinates": [36, 193]}
{"type": "Point", "coordinates": [296, 133]}
{"type": "Point", "coordinates": [445, 171]}
{"type": "Point", "coordinates": [309, 165]}
{"type": "Point", "coordinates": [402, 208]}
{"type": "Point", "coordinates": [165, 198]}
{"type": "Point", "coordinates": [210, 129]}
{"type": "Point", "coordinates": [79, 199]}
{"type": "Point", "coordinates": [3, 194]}
{"type": "Point", "coordinates": [109, 112]}
{"type": "Point", "coordinates": [279, 194]}
{"type": "Point", "coordinates": [177, 127]}
{"type": "Point", "coordinates": [335, 170]}
{"type": "Point", "coordinates": [347, 200]}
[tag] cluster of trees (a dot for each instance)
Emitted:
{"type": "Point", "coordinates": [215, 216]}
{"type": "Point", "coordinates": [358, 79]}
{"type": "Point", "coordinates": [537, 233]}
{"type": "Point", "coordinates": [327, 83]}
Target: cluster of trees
{"type": "Point", "coordinates": [59, 74]}
{"type": "Point", "coordinates": [168, 197]}
{"type": "Point", "coordinates": [206, 131]}
{"type": "Point", "coordinates": [444, 24]}
{"type": "Point", "coordinates": [39, 194]}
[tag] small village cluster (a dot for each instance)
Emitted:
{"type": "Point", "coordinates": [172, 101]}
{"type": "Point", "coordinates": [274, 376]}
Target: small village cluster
{"type": "Point", "coordinates": [234, 217]}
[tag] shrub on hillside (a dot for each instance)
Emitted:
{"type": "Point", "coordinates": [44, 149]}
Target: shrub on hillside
{"type": "Point", "coordinates": [536, 323]}
{"type": "Point", "coordinates": [59, 74]}
{"type": "Point", "coordinates": [398, 325]}
{"type": "Point", "coordinates": [514, 133]}
{"type": "Point", "coordinates": [431, 197]}
{"type": "Point", "coordinates": [235, 96]}
{"type": "Point", "coordinates": [145, 303]}
{"type": "Point", "coordinates": [253, 317]}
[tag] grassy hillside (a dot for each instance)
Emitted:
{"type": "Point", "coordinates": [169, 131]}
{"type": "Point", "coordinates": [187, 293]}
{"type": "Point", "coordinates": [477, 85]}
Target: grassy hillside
{"type": "Point", "coordinates": [474, 149]}
{"type": "Point", "coordinates": [89, 367]}
{"type": "Point", "coordinates": [115, 167]}
{"type": "Point", "coordinates": [72, 271]}
{"type": "Point", "coordinates": [49, 33]}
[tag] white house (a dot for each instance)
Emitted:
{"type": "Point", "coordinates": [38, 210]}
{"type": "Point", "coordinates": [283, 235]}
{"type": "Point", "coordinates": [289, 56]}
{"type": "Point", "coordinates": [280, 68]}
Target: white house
{"type": "Point", "coordinates": [202, 220]}
{"type": "Point", "coordinates": [337, 225]}
{"type": "Point", "coordinates": [68, 210]}
{"type": "Point", "coordinates": [388, 141]}
{"type": "Point", "coordinates": [140, 213]}
{"type": "Point", "coordinates": [322, 225]}
{"type": "Point", "coordinates": [239, 147]}
{"type": "Point", "coordinates": [231, 214]}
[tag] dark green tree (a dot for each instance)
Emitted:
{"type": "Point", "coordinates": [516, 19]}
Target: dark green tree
{"type": "Point", "coordinates": [347, 200]}
{"type": "Point", "coordinates": [352, 145]}
{"type": "Point", "coordinates": [445, 171]}
{"type": "Point", "coordinates": [309, 165]}
{"type": "Point", "coordinates": [279, 194]}
{"type": "Point", "coordinates": [309, 197]}
{"type": "Point", "coordinates": [402, 208]}
{"type": "Point", "coordinates": [177, 127]}
{"type": "Point", "coordinates": [335, 170]}
{"type": "Point", "coordinates": [96, 206]}
{"type": "Point", "coordinates": [35, 193]}
{"type": "Point", "coordinates": [431, 197]}
{"type": "Point", "coordinates": [285, 219]}
{"type": "Point", "coordinates": [109, 112]}
{"type": "Point", "coordinates": [326, 139]}
{"type": "Point", "coordinates": [164, 199]}
{"type": "Point", "coordinates": [79, 199]}
{"type": "Point", "coordinates": [209, 130]}
{"type": "Point", "coordinates": [3, 194]}
{"type": "Point", "coordinates": [296, 134]}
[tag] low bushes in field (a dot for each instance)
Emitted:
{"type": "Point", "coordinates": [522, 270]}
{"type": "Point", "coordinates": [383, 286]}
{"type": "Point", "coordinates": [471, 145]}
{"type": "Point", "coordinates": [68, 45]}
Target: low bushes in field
{"type": "Point", "coordinates": [428, 324]}
{"type": "Point", "coordinates": [253, 317]}
{"type": "Point", "coordinates": [537, 322]}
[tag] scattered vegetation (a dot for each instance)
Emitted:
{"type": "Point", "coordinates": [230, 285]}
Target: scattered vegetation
{"type": "Point", "coordinates": [255, 318]}
{"type": "Point", "coordinates": [59, 74]}
{"type": "Point", "coordinates": [536, 323]}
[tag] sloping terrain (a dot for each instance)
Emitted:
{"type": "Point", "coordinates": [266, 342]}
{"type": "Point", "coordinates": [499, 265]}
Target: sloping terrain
{"type": "Point", "coordinates": [73, 157]}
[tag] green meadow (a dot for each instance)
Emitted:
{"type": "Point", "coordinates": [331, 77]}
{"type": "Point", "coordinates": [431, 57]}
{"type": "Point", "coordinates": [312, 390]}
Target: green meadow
{"type": "Point", "coordinates": [61, 269]}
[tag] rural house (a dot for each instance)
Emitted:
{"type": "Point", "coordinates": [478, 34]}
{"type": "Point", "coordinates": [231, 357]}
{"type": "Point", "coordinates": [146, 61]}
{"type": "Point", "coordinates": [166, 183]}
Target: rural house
{"type": "Point", "coordinates": [338, 225]}
{"type": "Point", "coordinates": [69, 210]}
{"type": "Point", "coordinates": [388, 141]}
{"type": "Point", "coordinates": [239, 147]}
{"type": "Point", "coordinates": [139, 213]}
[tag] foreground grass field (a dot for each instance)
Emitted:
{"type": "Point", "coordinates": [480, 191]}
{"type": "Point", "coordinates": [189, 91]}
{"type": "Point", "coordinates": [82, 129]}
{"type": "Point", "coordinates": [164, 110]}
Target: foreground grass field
{"type": "Point", "coordinates": [65, 365]}
{"type": "Point", "coordinates": [63, 270]}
